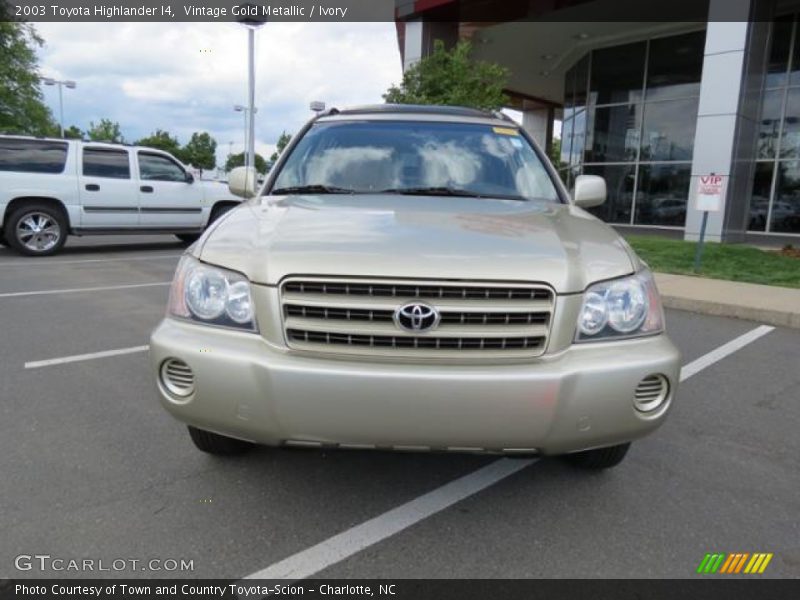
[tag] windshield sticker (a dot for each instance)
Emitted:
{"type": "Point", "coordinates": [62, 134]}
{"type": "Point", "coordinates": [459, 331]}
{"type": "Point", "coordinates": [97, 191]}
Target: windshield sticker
{"type": "Point", "coordinates": [516, 142]}
{"type": "Point", "coordinates": [505, 131]}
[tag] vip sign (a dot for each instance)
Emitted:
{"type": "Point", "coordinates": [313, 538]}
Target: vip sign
{"type": "Point", "coordinates": [710, 190]}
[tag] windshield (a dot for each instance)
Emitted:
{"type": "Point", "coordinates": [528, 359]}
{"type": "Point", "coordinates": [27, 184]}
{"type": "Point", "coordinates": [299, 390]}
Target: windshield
{"type": "Point", "coordinates": [425, 158]}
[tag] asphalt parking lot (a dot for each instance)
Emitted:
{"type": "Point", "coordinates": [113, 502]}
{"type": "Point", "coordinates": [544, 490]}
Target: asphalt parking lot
{"type": "Point", "coordinates": [92, 467]}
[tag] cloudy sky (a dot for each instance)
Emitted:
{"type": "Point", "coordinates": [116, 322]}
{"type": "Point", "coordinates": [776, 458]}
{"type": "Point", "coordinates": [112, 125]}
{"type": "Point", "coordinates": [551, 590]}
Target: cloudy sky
{"type": "Point", "coordinates": [186, 77]}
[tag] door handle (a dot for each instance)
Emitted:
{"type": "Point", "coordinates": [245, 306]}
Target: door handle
{"type": "Point", "coordinates": [147, 189]}
{"type": "Point", "coordinates": [92, 187]}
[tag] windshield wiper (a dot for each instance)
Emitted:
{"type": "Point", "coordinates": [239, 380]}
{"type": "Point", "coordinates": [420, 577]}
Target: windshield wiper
{"type": "Point", "coordinates": [312, 189]}
{"type": "Point", "coordinates": [446, 191]}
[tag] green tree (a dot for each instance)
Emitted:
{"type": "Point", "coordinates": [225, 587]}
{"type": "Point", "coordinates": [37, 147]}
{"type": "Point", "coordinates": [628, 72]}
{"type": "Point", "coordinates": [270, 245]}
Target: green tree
{"type": "Point", "coordinates": [201, 151]}
{"type": "Point", "coordinates": [162, 140]}
{"type": "Point", "coordinates": [283, 141]}
{"type": "Point", "coordinates": [451, 77]}
{"type": "Point", "coordinates": [105, 131]}
{"type": "Point", "coordinates": [73, 132]}
{"type": "Point", "coordinates": [22, 109]}
{"type": "Point", "coordinates": [237, 160]}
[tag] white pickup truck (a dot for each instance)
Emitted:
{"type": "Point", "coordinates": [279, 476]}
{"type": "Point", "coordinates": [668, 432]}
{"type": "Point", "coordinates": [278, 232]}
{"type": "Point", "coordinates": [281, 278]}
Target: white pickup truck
{"type": "Point", "coordinates": [51, 188]}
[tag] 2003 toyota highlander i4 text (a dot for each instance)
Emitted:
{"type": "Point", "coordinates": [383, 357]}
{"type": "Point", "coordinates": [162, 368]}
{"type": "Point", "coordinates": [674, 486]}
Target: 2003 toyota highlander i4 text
{"type": "Point", "coordinates": [415, 278]}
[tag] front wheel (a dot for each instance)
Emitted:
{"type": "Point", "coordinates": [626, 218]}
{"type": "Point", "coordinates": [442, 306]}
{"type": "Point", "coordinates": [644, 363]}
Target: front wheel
{"type": "Point", "coordinates": [36, 229]}
{"type": "Point", "coordinates": [213, 443]}
{"type": "Point", "coordinates": [188, 238]}
{"type": "Point", "coordinates": [599, 458]}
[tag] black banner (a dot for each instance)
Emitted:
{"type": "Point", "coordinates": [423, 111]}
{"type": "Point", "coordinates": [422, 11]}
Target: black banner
{"type": "Point", "coordinates": [704, 587]}
{"type": "Point", "coordinates": [486, 11]}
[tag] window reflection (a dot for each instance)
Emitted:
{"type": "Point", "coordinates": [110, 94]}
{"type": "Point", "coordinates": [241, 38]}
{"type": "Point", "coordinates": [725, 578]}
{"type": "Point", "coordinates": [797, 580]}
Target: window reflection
{"type": "Point", "coordinates": [779, 53]}
{"type": "Point", "coordinates": [675, 65]}
{"type": "Point", "coordinates": [785, 215]}
{"type": "Point", "coordinates": [618, 74]}
{"type": "Point", "coordinates": [663, 190]}
{"type": "Point", "coordinates": [770, 123]}
{"type": "Point", "coordinates": [613, 133]}
{"type": "Point", "coordinates": [759, 201]}
{"type": "Point", "coordinates": [619, 182]}
{"type": "Point", "coordinates": [790, 141]}
{"type": "Point", "coordinates": [668, 132]}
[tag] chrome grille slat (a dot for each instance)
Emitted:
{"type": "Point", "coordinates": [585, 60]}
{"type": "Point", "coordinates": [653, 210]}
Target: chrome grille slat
{"type": "Point", "coordinates": [477, 319]}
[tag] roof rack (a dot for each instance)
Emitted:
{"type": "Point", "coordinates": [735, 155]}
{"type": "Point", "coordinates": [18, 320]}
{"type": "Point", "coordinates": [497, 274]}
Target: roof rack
{"type": "Point", "coordinates": [462, 111]}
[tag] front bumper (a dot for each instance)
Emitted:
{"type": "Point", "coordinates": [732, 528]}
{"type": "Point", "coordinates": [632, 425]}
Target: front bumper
{"type": "Point", "coordinates": [578, 399]}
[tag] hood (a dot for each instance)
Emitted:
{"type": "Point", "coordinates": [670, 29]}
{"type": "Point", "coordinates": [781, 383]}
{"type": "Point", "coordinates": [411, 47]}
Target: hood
{"type": "Point", "coordinates": [387, 236]}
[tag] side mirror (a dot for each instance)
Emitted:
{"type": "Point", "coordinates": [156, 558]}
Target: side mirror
{"type": "Point", "coordinates": [189, 177]}
{"type": "Point", "coordinates": [242, 181]}
{"type": "Point", "coordinates": [590, 190]}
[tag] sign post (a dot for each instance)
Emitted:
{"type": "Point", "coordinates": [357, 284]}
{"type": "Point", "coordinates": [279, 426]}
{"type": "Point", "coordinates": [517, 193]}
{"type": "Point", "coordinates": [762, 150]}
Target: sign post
{"type": "Point", "coordinates": [709, 199]}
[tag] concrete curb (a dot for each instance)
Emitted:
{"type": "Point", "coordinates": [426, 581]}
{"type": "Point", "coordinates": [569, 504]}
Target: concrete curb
{"type": "Point", "coordinates": [720, 309]}
{"type": "Point", "coordinates": [766, 304]}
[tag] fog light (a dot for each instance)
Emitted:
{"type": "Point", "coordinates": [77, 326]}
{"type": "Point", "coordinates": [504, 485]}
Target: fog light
{"type": "Point", "coordinates": [651, 393]}
{"type": "Point", "coordinates": [177, 377]}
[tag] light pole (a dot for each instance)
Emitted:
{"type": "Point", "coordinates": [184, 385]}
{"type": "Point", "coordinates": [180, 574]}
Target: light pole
{"type": "Point", "coordinates": [61, 84]}
{"type": "Point", "coordinates": [249, 141]}
{"type": "Point", "coordinates": [252, 22]}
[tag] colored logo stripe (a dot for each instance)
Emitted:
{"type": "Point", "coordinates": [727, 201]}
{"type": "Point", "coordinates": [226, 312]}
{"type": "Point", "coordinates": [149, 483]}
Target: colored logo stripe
{"type": "Point", "coordinates": [733, 563]}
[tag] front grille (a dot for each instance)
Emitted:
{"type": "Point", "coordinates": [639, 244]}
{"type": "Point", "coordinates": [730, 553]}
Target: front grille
{"type": "Point", "coordinates": [358, 317]}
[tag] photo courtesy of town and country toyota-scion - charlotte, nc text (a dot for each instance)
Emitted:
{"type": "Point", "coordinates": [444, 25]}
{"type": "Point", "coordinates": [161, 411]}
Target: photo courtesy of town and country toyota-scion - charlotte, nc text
{"type": "Point", "coordinates": [69, 10]}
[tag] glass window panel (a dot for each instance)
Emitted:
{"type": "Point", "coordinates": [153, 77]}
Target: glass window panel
{"type": "Point", "coordinates": [618, 74]}
{"type": "Point", "coordinates": [155, 167]}
{"type": "Point", "coordinates": [99, 162]}
{"type": "Point", "coordinates": [759, 201]}
{"type": "Point", "coordinates": [32, 156]}
{"type": "Point", "coordinates": [669, 128]}
{"type": "Point", "coordinates": [794, 75]}
{"type": "Point", "coordinates": [613, 133]}
{"type": "Point", "coordinates": [581, 81]}
{"type": "Point", "coordinates": [619, 181]}
{"type": "Point", "coordinates": [785, 216]}
{"type": "Point", "coordinates": [569, 89]}
{"type": "Point", "coordinates": [769, 124]}
{"type": "Point", "coordinates": [661, 197]}
{"type": "Point", "coordinates": [578, 137]}
{"type": "Point", "coordinates": [790, 140]}
{"type": "Point", "coordinates": [566, 140]}
{"type": "Point", "coordinates": [675, 66]}
{"type": "Point", "coordinates": [779, 52]}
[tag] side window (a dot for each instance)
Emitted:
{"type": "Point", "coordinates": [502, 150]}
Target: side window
{"type": "Point", "coordinates": [32, 156]}
{"type": "Point", "coordinates": [102, 162]}
{"type": "Point", "coordinates": [155, 167]}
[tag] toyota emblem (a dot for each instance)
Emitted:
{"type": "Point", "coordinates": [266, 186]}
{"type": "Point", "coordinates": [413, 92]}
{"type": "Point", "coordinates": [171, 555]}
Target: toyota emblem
{"type": "Point", "coordinates": [416, 317]}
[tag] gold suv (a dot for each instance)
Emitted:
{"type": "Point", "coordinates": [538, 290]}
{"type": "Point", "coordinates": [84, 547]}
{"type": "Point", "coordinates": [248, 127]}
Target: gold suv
{"type": "Point", "coordinates": [415, 278]}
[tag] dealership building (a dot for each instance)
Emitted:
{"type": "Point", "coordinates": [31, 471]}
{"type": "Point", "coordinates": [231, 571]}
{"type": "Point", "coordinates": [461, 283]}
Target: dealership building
{"type": "Point", "coordinates": [655, 107]}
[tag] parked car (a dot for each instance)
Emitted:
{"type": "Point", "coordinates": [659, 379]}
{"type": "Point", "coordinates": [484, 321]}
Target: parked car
{"type": "Point", "coordinates": [415, 278]}
{"type": "Point", "coordinates": [51, 188]}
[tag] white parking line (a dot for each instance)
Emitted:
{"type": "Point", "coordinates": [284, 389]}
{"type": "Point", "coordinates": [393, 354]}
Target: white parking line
{"type": "Point", "coordinates": [718, 354]}
{"type": "Point", "coordinates": [45, 263]}
{"type": "Point", "coordinates": [347, 543]}
{"type": "Point", "coordinates": [343, 545]}
{"type": "Point", "coordinates": [78, 290]}
{"type": "Point", "coordinates": [35, 364]}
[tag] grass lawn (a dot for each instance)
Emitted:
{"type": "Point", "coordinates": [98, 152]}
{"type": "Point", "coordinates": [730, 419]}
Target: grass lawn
{"type": "Point", "coordinates": [720, 261]}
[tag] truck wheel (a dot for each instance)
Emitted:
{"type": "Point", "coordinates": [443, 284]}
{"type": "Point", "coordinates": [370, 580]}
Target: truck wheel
{"type": "Point", "coordinates": [188, 238]}
{"type": "Point", "coordinates": [36, 229]}
{"type": "Point", "coordinates": [214, 443]}
{"type": "Point", "coordinates": [599, 458]}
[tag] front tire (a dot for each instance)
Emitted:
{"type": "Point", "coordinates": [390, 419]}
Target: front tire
{"type": "Point", "coordinates": [36, 229]}
{"type": "Point", "coordinates": [216, 444]}
{"type": "Point", "coordinates": [188, 238]}
{"type": "Point", "coordinates": [599, 458]}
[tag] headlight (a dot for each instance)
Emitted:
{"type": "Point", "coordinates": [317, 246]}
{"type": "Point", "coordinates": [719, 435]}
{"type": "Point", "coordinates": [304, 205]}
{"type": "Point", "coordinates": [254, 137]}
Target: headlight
{"type": "Point", "coordinates": [211, 295]}
{"type": "Point", "coordinates": [626, 307]}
